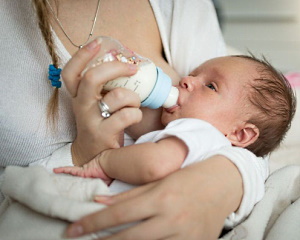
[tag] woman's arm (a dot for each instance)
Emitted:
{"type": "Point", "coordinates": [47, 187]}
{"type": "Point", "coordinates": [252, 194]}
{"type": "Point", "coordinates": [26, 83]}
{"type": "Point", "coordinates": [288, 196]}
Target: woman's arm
{"type": "Point", "coordinates": [254, 171]}
{"type": "Point", "coordinates": [189, 204]}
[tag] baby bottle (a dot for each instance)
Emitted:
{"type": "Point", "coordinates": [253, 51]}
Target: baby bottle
{"type": "Point", "coordinates": [153, 86]}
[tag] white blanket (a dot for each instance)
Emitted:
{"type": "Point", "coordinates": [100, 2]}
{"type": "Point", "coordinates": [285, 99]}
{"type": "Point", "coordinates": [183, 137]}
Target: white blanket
{"type": "Point", "coordinates": [277, 216]}
{"type": "Point", "coordinates": [39, 205]}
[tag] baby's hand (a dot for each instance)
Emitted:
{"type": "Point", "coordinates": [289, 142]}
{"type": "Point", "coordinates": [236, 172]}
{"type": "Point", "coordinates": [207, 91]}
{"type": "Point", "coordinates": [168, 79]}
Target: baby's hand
{"type": "Point", "coordinates": [89, 170]}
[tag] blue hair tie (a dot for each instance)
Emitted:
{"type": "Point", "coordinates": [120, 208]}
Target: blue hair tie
{"type": "Point", "coordinates": [54, 76]}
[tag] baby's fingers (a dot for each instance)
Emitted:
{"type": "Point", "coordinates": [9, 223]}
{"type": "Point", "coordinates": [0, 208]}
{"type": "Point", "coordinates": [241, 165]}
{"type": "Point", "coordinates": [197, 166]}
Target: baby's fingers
{"type": "Point", "coordinates": [115, 215]}
{"type": "Point", "coordinates": [68, 170]}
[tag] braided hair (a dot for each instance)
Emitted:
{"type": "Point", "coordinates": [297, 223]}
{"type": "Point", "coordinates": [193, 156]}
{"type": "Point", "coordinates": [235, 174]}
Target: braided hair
{"type": "Point", "coordinates": [43, 17]}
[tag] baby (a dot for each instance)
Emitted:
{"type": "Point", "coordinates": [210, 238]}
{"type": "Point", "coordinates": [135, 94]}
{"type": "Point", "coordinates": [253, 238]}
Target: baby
{"type": "Point", "coordinates": [227, 101]}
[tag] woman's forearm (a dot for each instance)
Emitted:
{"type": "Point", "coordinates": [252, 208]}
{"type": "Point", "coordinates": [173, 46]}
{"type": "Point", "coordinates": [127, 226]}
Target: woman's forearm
{"type": "Point", "coordinates": [224, 186]}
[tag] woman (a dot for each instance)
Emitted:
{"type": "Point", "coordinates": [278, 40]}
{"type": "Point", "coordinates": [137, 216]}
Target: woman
{"type": "Point", "coordinates": [177, 36]}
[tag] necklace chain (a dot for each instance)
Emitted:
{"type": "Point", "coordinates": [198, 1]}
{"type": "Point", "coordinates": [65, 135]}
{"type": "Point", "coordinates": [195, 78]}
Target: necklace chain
{"type": "Point", "coordinates": [62, 28]}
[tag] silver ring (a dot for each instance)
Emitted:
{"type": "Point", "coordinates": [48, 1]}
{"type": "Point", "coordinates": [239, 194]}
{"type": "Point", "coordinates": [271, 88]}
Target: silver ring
{"type": "Point", "coordinates": [105, 113]}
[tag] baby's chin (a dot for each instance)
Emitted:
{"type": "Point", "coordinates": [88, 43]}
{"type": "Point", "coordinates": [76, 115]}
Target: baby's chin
{"type": "Point", "coordinates": [166, 118]}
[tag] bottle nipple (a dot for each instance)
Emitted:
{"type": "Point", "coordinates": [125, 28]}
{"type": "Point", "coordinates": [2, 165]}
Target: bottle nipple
{"type": "Point", "coordinates": [172, 98]}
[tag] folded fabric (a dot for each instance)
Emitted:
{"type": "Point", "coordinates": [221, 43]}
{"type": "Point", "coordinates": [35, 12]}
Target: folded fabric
{"type": "Point", "coordinates": [62, 196]}
{"type": "Point", "coordinates": [39, 205]}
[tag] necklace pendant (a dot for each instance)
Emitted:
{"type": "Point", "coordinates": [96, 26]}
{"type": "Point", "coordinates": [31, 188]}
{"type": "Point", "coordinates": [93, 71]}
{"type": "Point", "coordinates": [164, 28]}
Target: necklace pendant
{"type": "Point", "coordinates": [62, 28]}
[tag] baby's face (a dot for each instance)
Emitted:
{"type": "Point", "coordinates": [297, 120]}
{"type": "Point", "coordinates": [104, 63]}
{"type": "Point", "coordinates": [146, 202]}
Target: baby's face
{"type": "Point", "coordinates": [215, 92]}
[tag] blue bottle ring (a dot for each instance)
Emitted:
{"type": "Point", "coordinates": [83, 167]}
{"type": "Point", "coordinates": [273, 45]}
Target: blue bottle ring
{"type": "Point", "coordinates": [160, 92]}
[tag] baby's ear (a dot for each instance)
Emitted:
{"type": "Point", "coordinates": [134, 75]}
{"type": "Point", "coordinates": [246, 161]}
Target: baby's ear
{"type": "Point", "coordinates": [245, 136]}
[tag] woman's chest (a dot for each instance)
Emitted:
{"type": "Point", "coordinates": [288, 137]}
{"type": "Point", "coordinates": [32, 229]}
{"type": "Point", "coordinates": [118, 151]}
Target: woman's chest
{"type": "Point", "coordinates": [131, 22]}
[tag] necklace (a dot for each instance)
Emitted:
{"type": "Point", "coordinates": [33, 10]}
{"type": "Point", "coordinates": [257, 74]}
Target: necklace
{"type": "Point", "coordinates": [62, 28]}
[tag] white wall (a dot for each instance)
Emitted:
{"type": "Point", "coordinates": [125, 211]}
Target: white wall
{"type": "Point", "coordinates": [269, 27]}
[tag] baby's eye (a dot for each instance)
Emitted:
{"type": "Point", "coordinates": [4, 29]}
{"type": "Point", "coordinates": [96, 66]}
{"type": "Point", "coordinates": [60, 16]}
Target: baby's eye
{"type": "Point", "coordinates": [211, 86]}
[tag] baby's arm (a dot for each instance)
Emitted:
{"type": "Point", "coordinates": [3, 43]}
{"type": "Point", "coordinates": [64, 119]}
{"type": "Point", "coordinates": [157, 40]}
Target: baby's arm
{"type": "Point", "coordinates": [145, 162]}
{"type": "Point", "coordinates": [138, 163]}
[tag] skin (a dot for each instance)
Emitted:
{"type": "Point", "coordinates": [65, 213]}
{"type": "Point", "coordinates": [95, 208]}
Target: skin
{"type": "Point", "coordinates": [214, 93]}
{"type": "Point", "coordinates": [198, 217]}
{"type": "Point", "coordinates": [217, 92]}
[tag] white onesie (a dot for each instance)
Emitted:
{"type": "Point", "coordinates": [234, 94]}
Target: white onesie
{"type": "Point", "coordinates": [203, 140]}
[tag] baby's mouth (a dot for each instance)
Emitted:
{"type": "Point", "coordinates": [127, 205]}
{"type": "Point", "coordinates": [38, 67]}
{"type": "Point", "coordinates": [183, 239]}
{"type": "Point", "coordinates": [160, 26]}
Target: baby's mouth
{"type": "Point", "coordinates": [171, 109]}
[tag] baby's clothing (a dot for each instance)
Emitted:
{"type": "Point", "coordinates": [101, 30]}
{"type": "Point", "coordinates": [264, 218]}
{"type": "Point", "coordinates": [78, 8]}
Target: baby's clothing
{"type": "Point", "coordinates": [199, 136]}
{"type": "Point", "coordinates": [203, 140]}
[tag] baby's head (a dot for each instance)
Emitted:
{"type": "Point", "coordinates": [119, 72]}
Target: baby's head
{"type": "Point", "coordinates": [250, 102]}
{"type": "Point", "coordinates": [274, 105]}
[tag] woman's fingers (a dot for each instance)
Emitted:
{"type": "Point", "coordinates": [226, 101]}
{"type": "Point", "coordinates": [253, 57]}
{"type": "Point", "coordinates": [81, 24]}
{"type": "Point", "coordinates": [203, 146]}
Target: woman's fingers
{"type": "Point", "coordinates": [120, 97]}
{"type": "Point", "coordinates": [115, 215]}
{"type": "Point", "coordinates": [71, 73]}
{"type": "Point", "coordinates": [94, 133]}
{"type": "Point", "coordinates": [114, 125]}
{"type": "Point", "coordinates": [141, 231]}
{"type": "Point", "coordinates": [95, 77]}
{"type": "Point", "coordinates": [91, 84]}
{"type": "Point", "coordinates": [123, 105]}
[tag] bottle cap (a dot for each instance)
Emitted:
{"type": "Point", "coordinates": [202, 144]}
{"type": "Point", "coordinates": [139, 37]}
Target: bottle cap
{"type": "Point", "coordinates": [160, 92]}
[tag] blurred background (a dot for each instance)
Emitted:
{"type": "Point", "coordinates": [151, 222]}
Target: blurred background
{"type": "Point", "coordinates": [268, 27]}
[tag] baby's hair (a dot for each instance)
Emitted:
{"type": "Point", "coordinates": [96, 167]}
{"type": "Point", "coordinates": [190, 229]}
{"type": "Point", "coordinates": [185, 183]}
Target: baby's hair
{"type": "Point", "coordinates": [275, 100]}
{"type": "Point", "coordinates": [43, 16]}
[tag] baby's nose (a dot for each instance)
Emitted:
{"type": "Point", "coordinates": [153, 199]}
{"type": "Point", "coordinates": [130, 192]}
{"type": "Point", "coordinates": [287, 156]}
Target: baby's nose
{"type": "Point", "coordinates": [188, 82]}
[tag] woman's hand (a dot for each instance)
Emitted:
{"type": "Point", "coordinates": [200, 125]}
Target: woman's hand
{"type": "Point", "coordinates": [191, 203]}
{"type": "Point", "coordinates": [94, 133]}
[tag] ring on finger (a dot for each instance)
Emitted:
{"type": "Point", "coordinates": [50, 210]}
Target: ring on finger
{"type": "Point", "coordinates": [104, 108]}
